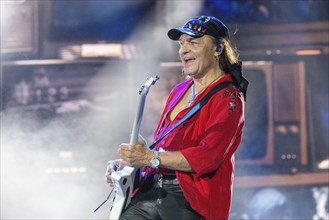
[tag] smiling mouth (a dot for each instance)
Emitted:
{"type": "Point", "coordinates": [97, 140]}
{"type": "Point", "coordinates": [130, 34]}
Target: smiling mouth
{"type": "Point", "coordinates": [188, 60]}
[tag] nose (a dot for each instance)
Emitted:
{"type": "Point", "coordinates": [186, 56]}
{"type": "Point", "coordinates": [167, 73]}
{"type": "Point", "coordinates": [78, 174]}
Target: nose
{"type": "Point", "coordinates": [184, 48]}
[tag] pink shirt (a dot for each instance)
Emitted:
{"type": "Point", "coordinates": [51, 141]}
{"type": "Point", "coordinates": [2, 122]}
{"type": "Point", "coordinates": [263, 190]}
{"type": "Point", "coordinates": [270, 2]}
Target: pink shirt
{"type": "Point", "coordinates": [208, 141]}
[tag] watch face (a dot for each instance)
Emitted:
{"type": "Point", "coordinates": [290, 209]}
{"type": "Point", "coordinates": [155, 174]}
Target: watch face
{"type": "Point", "coordinates": [155, 162]}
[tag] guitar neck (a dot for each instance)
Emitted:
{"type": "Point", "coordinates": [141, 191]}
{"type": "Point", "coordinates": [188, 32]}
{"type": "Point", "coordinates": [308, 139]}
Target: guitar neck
{"type": "Point", "coordinates": [124, 179]}
{"type": "Point", "coordinates": [137, 120]}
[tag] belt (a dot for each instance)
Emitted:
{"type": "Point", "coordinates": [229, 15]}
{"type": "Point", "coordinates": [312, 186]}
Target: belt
{"type": "Point", "coordinates": [165, 179]}
{"type": "Point", "coordinates": [169, 179]}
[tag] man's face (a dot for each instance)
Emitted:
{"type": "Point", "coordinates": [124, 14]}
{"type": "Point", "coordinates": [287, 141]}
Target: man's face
{"type": "Point", "coordinates": [197, 55]}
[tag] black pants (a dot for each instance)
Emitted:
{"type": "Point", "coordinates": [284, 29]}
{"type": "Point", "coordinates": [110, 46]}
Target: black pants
{"type": "Point", "coordinates": [165, 203]}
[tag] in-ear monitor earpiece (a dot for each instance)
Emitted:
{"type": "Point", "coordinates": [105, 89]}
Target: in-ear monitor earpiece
{"type": "Point", "coordinates": [218, 48]}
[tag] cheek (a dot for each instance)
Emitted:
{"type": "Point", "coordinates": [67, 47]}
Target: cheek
{"type": "Point", "coordinates": [208, 59]}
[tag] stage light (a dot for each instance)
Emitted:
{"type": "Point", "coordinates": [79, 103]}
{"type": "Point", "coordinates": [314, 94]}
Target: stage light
{"type": "Point", "coordinates": [324, 164]}
{"type": "Point", "coordinates": [102, 50]}
{"type": "Point", "coordinates": [65, 170]}
{"type": "Point", "coordinates": [308, 52]}
{"type": "Point", "coordinates": [65, 154]}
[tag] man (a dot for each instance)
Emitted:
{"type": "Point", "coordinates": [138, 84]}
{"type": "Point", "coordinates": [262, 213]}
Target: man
{"type": "Point", "coordinates": [195, 162]}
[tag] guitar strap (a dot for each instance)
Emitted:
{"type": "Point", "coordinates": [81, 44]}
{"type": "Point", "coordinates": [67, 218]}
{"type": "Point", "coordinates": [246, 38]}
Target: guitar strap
{"type": "Point", "coordinates": [195, 109]}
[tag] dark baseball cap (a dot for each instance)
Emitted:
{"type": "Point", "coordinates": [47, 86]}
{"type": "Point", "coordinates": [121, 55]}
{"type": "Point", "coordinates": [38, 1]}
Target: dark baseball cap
{"type": "Point", "coordinates": [200, 26]}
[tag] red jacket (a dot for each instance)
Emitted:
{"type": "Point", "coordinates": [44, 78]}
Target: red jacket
{"type": "Point", "coordinates": [208, 141]}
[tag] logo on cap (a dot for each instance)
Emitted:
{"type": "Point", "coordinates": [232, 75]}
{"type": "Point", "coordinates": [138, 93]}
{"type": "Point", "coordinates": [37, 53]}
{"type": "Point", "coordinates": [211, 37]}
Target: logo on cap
{"type": "Point", "coordinates": [200, 26]}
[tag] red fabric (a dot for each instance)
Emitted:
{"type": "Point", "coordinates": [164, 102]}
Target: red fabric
{"type": "Point", "coordinates": [208, 141]}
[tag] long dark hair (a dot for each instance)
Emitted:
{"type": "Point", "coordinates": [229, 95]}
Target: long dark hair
{"type": "Point", "coordinates": [229, 63]}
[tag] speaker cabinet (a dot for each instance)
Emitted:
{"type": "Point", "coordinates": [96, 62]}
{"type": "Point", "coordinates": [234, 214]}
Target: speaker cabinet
{"type": "Point", "coordinates": [289, 114]}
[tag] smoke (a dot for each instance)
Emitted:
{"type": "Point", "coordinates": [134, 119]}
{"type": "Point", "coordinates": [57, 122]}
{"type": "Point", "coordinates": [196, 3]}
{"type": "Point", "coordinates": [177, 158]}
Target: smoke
{"type": "Point", "coordinates": [37, 181]}
{"type": "Point", "coordinates": [53, 159]}
{"type": "Point", "coordinates": [53, 165]}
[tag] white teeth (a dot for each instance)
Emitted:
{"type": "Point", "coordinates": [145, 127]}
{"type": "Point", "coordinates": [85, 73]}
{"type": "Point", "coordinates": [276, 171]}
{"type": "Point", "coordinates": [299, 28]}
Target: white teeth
{"type": "Point", "coordinates": [188, 59]}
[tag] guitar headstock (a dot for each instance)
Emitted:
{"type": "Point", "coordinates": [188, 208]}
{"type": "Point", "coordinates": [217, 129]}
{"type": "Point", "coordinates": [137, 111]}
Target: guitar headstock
{"type": "Point", "coordinates": [149, 82]}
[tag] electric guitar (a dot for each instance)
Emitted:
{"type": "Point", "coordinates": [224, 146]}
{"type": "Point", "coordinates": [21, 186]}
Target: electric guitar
{"type": "Point", "coordinates": [126, 177]}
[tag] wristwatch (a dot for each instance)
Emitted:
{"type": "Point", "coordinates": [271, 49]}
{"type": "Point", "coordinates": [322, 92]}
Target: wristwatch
{"type": "Point", "coordinates": [155, 161]}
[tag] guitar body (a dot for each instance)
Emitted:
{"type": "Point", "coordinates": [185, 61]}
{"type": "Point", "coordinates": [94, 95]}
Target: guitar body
{"type": "Point", "coordinates": [125, 178]}
{"type": "Point", "coordinates": [124, 185]}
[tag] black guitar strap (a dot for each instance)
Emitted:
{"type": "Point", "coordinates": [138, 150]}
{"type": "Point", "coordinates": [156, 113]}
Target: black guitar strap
{"type": "Point", "coordinates": [195, 108]}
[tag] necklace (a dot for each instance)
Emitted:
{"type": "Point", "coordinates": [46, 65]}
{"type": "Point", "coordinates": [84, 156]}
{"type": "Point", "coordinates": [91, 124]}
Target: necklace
{"type": "Point", "coordinates": [194, 93]}
{"type": "Point", "coordinates": [191, 96]}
